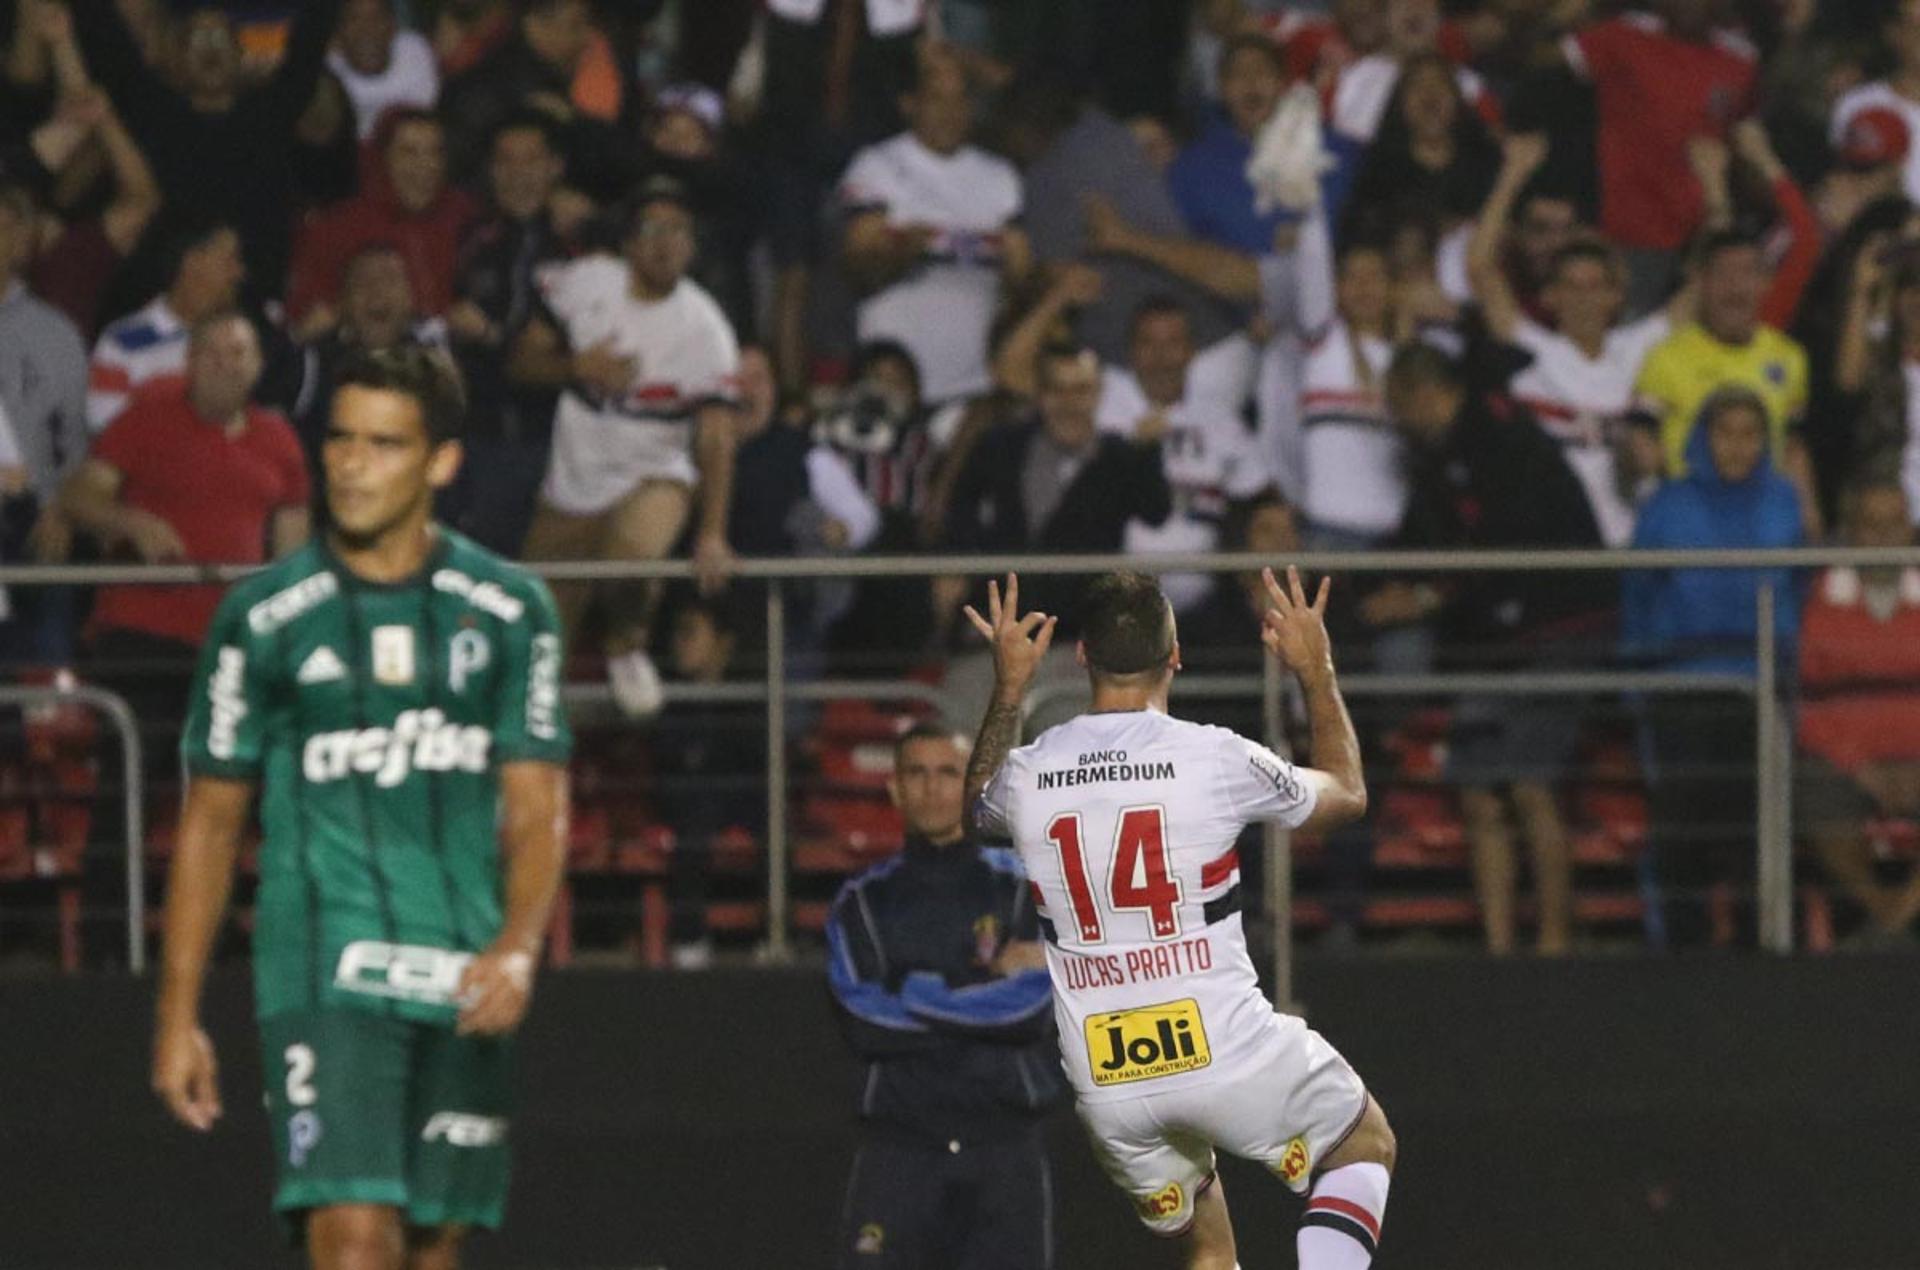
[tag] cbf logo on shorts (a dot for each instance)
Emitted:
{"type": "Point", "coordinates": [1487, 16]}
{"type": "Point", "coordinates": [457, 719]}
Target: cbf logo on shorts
{"type": "Point", "coordinates": [419, 740]}
{"type": "Point", "coordinates": [1140, 1044]}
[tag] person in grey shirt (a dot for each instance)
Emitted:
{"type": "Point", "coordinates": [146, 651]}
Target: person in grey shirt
{"type": "Point", "coordinates": [1072, 149]}
{"type": "Point", "coordinates": [43, 388]}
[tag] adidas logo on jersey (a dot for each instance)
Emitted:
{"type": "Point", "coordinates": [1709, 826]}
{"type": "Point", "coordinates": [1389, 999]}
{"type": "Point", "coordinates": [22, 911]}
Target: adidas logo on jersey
{"type": "Point", "coordinates": [322, 665]}
{"type": "Point", "coordinates": [419, 740]}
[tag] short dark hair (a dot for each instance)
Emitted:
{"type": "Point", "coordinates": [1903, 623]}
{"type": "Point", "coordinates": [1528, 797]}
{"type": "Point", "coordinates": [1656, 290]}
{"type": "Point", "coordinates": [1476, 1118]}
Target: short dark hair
{"type": "Point", "coordinates": [1722, 240]}
{"type": "Point", "coordinates": [659, 188]}
{"type": "Point", "coordinates": [1730, 397]}
{"type": "Point", "coordinates": [924, 730]}
{"type": "Point", "coordinates": [415, 371]}
{"type": "Point", "coordinates": [526, 121]}
{"type": "Point", "coordinates": [1158, 304]}
{"type": "Point", "coordinates": [183, 235]}
{"type": "Point", "coordinates": [398, 117]}
{"type": "Point", "coordinates": [1062, 350]}
{"type": "Point", "coordinates": [872, 352]}
{"type": "Point", "coordinates": [367, 251]}
{"type": "Point", "coordinates": [1128, 627]}
{"type": "Point", "coordinates": [1252, 42]}
{"type": "Point", "coordinates": [1417, 362]}
{"type": "Point", "coordinates": [1587, 249]}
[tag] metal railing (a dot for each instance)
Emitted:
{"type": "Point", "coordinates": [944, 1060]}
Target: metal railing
{"type": "Point", "coordinates": [1771, 748]}
{"type": "Point", "coordinates": [133, 796]}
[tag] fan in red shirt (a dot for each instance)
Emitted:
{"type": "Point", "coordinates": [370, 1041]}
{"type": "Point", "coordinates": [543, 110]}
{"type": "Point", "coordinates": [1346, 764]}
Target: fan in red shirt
{"type": "Point", "coordinates": [193, 472]}
{"type": "Point", "coordinates": [1860, 707]}
{"type": "Point", "coordinates": [1659, 79]}
{"type": "Point", "coordinates": [405, 201]}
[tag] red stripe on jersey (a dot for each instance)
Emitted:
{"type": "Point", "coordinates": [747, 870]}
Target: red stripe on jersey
{"type": "Point", "coordinates": [1346, 1208]}
{"type": "Point", "coordinates": [107, 377]}
{"type": "Point", "coordinates": [1039, 896]}
{"type": "Point", "coordinates": [1545, 409]}
{"type": "Point", "coordinates": [1331, 397]}
{"type": "Point", "coordinates": [1214, 872]}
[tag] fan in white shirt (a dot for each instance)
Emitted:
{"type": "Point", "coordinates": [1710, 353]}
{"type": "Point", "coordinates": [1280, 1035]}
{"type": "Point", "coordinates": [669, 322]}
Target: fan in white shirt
{"type": "Point", "coordinates": [380, 65]}
{"type": "Point", "coordinates": [1126, 820]}
{"type": "Point", "coordinates": [1580, 383]}
{"type": "Point", "coordinates": [647, 369]}
{"type": "Point", "coordinates": [1352, 487]}
{"type": "Point", "coordinates": [931, 231]}
{"type": "Point", "coordinates": [1210, 456]}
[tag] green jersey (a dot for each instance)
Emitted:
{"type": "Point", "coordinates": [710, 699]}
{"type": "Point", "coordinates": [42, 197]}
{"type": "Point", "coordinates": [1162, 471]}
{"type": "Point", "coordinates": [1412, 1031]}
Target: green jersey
{"type": "Point", "coordinates": [375, 717]}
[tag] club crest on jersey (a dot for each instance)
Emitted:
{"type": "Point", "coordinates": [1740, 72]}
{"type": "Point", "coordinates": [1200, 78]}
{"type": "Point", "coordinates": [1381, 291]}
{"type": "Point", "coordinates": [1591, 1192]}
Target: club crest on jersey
{"type": "Point", "coordinates": [986, 938]}
{"type": "Point", "coordinates": [393, 655]}
{"type": "Point", "coordinates": [468, 656]}
{"type": "Point", "coordinates": [872, 1240]}
{"type": "Point", "coordinates": [1140, 1044]}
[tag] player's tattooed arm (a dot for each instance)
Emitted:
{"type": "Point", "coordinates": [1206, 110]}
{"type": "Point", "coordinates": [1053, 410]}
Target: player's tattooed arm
{"type": "Point", "coordinates": [999, 733]}
{"type": "Point", "coordinates": [1019, 645]}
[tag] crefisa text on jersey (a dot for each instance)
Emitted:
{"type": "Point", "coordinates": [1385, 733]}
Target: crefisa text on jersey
{"type": "Point", "coordinates": [1086, 971]}
{"type": "Point", "coordinates": [1104, 765]}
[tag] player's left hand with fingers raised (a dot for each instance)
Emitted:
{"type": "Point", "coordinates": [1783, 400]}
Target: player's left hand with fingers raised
{"type": "Point", "coordinates": [495, 991]}
{"type": "Point", "coordinates": [1019, 643]}
{"type": "Point", "coordinates": [1295, 629]}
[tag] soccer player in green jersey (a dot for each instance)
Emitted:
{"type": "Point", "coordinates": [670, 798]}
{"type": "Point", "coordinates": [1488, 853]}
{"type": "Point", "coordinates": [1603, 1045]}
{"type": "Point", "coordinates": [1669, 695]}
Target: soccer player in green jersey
{"type": "Point", "coordinates": [393, 693]}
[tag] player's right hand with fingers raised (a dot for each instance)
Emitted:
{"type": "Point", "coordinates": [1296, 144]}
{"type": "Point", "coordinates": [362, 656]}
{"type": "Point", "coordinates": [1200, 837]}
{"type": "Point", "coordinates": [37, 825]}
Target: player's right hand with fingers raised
{"type": "Point", "coordinates": [1294, 629]}
{"type": "Point", "coordinates": [1019, 643]}
{"type": "Point", "coordinates": [186, 1076]}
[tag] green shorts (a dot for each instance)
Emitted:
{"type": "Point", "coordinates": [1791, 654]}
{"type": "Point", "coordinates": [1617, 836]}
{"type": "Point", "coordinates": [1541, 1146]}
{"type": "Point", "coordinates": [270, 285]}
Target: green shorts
{"type": "Point", "coordinates": [368, 1109]}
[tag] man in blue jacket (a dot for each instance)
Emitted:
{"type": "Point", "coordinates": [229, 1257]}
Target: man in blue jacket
{"type": "Point", "coordinates": [942, 988]}
{"type": "Point", "coordinates": [1701, 749]}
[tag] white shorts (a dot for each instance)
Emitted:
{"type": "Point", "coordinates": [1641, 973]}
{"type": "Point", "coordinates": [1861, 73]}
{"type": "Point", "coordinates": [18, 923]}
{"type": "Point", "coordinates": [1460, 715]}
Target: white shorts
{"type": "Point", "coordinates": [593, 465]}
{"type": "Point", "coordinates": [1288, 1112]}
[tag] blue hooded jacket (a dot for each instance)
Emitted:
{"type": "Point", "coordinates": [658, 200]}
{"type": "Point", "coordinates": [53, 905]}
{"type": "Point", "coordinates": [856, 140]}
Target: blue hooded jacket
{"type": "Point", "coordinates": [1705, 619]}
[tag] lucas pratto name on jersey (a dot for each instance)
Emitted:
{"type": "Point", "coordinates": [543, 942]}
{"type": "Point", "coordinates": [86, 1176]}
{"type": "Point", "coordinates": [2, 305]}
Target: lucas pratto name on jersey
{"type": "Point", "coordinates": [1101, 766]}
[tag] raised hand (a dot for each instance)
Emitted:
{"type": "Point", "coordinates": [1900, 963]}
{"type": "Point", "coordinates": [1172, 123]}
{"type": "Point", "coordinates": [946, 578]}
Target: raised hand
{"type": "Point", "coordinates": [1019, 644]}
{"type": "Point", "coordinates": [1295, 630]}
{"type": "Point", "coordinates": [1524, 152]}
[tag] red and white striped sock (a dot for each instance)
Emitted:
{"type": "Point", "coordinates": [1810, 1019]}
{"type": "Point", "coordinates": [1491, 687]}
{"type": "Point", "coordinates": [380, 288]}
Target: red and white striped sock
{"type": "Point", "coordinates": [1341, 1228]}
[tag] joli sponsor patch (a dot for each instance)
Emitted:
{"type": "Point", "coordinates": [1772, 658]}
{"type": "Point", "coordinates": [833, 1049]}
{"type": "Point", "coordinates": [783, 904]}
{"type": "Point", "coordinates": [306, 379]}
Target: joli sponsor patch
{"type": "Point", "coordinates": [1143, 1043]}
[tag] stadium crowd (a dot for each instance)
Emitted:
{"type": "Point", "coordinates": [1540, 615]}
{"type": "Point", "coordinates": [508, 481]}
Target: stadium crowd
{"type": "Point", "coordinates": [827, 277]}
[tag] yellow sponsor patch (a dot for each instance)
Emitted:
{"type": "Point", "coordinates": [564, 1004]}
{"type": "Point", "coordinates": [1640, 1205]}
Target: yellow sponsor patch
{"type": "Point", "coordinates": [1140, 1044]}
{"type": "Point", "coordinates": [1294, 1161]}
{"type": "Point", "coordinates": [1165, 1202]}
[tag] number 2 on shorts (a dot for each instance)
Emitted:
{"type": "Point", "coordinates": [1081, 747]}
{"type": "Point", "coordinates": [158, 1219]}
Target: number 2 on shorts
{"type": "Point", "coordinates": [300, 1091]}
{"type": "Point", "coordinates": [1140, 881]}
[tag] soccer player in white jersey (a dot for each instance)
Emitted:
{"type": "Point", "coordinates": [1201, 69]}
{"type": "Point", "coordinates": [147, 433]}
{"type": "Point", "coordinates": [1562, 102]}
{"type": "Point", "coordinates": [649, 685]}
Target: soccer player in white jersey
{"type": "Point", "coordinates": [1126, 820]}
